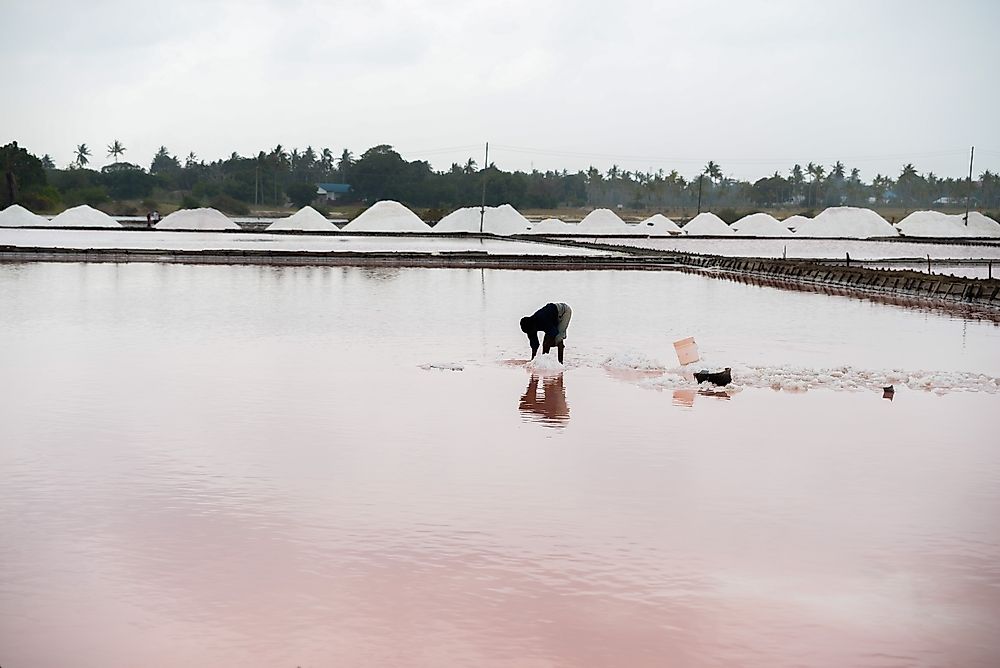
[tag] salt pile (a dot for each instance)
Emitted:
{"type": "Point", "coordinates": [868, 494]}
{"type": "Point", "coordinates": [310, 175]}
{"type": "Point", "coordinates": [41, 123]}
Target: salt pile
{"type": "Point", "coordinates": [84, 216]}
{"type": "Point", "coordinates": [707, 224]}
{"type": "Point", "coordinates": [545, 364]}
{"type": "Point", "coordinates": [931, 224]}
{"type": "Point", "coordinates": [844, 378]}
{"type": "Point", "coordinates": [795, 222]}
{"type": "Point", "coordinates": [16, 215]}
{"type": "Point", "coordinates": [197, 219]}
{"type": "Point", "coordinates": [550, 226]}
{"type": "Point", "coordinates": [306, 218]}
{"type": "Point", "coordinates": [658, 225]}
{"type": "Point", "coordinates": [602, 221]}
{"type": "Point", "coordinates": [847, 222]}
{"type": "Point", "coordinates": [503, 220]}
{"type": "Point", "coordinates": [760, 225]}
{"type": "Point", "coordinates": [981, 226]}
{"type": "Point", "coordinates": [387, 216]}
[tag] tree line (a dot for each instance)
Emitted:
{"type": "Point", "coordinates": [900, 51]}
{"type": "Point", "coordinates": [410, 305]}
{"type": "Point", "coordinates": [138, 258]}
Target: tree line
{"type": "Point", "coordinates": [279, 176]}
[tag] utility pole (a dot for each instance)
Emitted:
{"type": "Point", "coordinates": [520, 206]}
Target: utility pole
{"type": "Point", "coordinates": [482, 206]}
{"type": "Point", "coordinates": [968, 194]}
{"type": "Point", "coordinates": [701, 177]}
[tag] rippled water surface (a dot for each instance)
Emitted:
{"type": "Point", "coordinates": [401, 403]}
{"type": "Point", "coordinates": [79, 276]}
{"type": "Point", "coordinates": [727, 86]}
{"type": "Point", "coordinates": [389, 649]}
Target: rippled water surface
{"type": "Point", "coordinates": [213, 466]}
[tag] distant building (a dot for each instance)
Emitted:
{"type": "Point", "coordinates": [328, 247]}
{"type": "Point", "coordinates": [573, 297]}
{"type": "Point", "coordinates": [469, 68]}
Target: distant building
{"type": "Point", "coordinates": [332, 191]}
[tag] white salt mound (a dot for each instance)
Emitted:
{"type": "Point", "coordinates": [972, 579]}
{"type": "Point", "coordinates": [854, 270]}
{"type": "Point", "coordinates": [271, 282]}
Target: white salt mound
{"type": "Point", "coordinates": [760, 225]}
{"type": "Point", "coordinates": [197, 219]}
{"type": "Point", "coordinates": [387, 216]}
{"type": "Point", "coordinates": [931, 224]}
{"type": "Point", "coordinates": [795, 222]}
{"type": "Point", "coordinates": [980, 225]}
{"type": "Point", "coordinates": [550, 226]}
{"type": "Point", "coordinates": [502, 220]}
{"type": "Point", "coordinates": [602, 221]}
{"type": "Point", "coordinates": [707, 224]}
{"type": "Point", "coordinates": [305, 219]}
{"type": "Point", "coordinates": [16, 215]}
{"type": "Point", "coordinates": [545, 363]}
{"type": "Point", "coordinates": [847, 222]}
{"type": "Point", "coordinates": [658, 225]}
{"type": "Point", "coordinates": [84, 216]}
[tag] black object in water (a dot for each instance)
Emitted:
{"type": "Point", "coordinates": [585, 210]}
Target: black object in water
{"type": "Point", "coordinates": [722, 378]}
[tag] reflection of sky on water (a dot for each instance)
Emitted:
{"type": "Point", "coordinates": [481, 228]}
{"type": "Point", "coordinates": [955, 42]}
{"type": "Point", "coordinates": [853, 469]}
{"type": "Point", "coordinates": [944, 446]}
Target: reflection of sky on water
{"type": "Point", "coordinates": [231, 465]}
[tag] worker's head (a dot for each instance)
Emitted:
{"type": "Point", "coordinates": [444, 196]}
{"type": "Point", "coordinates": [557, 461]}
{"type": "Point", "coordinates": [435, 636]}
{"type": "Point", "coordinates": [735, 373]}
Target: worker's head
{"type": "Point", "coordinates": [526, 324]}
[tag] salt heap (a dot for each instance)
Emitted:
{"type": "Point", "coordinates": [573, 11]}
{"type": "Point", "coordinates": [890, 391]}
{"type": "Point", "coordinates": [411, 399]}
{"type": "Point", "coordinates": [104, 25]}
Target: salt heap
{"type": "Point", "coordinates": [84, 216]}
{"type": "Point", "coordinates": [980, 225]}
{"type": "Point", "coordinates": [502, 220]}
{"type": "Point", "coordinates": [550, 226]}
{"type": "Point", "coordinates": [197, 219]}
{"type": "Point", "coordinates": [795, 222]}
{"type": "Point", "coordinates": [387, 216]}
{"type": "Point", "coordinates": [760, 225]}
{"type": "Point", "coordinates": [16, 215]}
{"type": "Point", "coordinates": [658, 225]}
{"type": "Point", "coordinates": [306, 218]}
{"type": "Point", "coordinates": [931, 224]}
{"type": "Point", "coordinates": [602, 221]}
{"type": "Point", "coordinates": [707, 224]}
{"type": "Point", "coordinates": [847, 222]}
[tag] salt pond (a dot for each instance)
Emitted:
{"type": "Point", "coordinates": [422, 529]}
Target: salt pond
{"type": "Point", "coordinates": [258, 466]}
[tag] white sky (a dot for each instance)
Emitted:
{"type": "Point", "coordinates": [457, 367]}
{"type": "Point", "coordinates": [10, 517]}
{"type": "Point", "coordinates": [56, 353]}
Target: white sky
{"type": "Point", "coordinates": [755, 86]}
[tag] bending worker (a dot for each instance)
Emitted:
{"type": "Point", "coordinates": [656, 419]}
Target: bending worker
{"type": "Point", "coordinates": [553, 320]}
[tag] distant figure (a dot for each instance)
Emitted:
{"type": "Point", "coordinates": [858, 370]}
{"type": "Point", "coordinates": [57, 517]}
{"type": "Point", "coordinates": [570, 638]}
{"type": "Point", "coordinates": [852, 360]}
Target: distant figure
{"type": "Point", "coordinates": [156, 217]}
{"type": "Point", "coordinates": [149, 219]}
{"type": "Point", "coordinates": [553, 319]}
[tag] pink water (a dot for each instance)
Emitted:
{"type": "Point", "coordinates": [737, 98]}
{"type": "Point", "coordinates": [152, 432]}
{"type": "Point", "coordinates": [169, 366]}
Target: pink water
{"type": "Point", "coordinates": [209, 466]}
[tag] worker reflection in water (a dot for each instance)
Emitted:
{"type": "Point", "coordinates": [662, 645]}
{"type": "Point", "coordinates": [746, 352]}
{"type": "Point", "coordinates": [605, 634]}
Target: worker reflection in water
{"type": "Point", "coordinates": [551, 408]}
{"type": "Point", "coordinates": [553, 320]}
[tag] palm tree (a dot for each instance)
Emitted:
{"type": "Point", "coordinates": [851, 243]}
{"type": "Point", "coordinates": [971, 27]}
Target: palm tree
{"type": "Point", "coordinates": [82, 155]}
{"type": "Point", "coordinates": [116, 149]}
{"type": "Point", "coordinates": [47, 162]}
{"type": "Point", "coordinates": [191, 160]}
{"type": "Point", "coordinates": [326, 160]}
{"type": "Point", "coordinates": [470, 166]}
{"type": "Point", "coordinates": [713, 171]}
{"type": "Point", "coordinates": [345, 163]}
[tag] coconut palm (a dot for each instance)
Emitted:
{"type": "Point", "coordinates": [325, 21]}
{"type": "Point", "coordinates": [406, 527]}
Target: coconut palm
{"type": "Point", "coordinates": [191, 160]}
{"type": "Point", "coordinates": [713, 171]}
{"type": "Point", "coordinates": [82, 155]}
{"type": "Point", "coordinates": [116, 149]}
{"type": "Point", "coordinates": [48, 162]}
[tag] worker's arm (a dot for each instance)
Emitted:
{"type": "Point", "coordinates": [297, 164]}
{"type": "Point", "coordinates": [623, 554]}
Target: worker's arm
{"type": "Point", "coordinates": [533, 340]}
{"type": "Point", "coordinates": [560, 348]}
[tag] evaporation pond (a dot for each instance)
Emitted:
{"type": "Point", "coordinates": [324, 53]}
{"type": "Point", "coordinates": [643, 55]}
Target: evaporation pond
{"type": "Point", "coordinates": [330, 466]}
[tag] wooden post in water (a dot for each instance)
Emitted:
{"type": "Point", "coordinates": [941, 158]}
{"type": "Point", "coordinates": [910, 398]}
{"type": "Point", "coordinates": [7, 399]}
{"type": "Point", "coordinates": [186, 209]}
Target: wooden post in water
{"type": "Point", "coordinates": [968, 194]}
{"type": "Point", "coordinates": [848, 259]}
{"type": "Point", "coordinates": [928, 263]}
{"type": "Point", "coordinates": [482, 206]}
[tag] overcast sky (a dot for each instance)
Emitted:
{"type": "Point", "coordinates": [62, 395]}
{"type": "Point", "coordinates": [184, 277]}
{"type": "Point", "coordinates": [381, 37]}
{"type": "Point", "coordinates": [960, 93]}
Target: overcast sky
{"type": "Point", "coordinates": [755, 86]}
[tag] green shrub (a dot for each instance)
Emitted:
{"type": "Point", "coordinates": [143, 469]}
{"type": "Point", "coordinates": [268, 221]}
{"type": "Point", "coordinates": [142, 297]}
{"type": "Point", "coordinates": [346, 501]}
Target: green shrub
{"type": "Point", "coordinates": [229, 205]}
{"type": "Point", "coordinates": [190, 202]}
{"type": "Point", "coordinates": [42, 199]}
{"type": "Point", "coordinates": [89, 195]}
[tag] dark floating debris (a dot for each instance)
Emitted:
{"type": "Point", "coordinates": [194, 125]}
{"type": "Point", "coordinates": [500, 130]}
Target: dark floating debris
{"type": "Point", "coordinates": [721, 378]}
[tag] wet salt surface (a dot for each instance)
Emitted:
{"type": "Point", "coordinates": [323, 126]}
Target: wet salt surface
{"type": "Point", "coordinates": [859, 249]}
{"type": "Point", "coordinates": [248, 466]}
{"type": "Point", "coordinates": [159, 240]}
